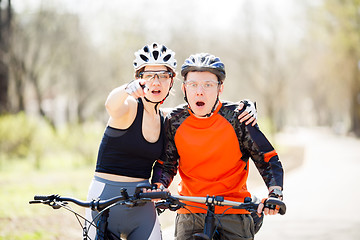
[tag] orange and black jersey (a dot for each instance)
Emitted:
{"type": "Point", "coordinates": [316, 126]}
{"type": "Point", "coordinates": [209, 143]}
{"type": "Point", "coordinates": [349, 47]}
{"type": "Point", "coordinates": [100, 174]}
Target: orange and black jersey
{"type": "Point", "coordinates": [212, 155]}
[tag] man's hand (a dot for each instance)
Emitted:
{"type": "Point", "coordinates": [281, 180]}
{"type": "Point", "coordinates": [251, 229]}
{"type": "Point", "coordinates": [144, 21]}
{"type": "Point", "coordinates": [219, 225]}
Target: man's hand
{"type": "Point", "coordinates": [269, 209]}
{"type": "Point", "coordinates": [249, 114]}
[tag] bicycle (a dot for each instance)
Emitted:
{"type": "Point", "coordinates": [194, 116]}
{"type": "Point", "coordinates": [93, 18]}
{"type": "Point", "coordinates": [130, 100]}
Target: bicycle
{"type": "Point", "coordinates": [173, 203]}
{"type": "Point", "coordinates": [139, 198]}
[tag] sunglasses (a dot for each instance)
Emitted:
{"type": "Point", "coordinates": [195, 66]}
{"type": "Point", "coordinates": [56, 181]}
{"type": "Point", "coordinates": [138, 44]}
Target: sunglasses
{"type": "Point", "coordinates": [161, 75]}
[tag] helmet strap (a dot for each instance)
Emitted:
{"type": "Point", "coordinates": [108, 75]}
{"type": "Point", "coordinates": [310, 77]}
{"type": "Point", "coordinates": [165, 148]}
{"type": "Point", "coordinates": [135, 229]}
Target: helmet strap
{"type": "Point", "coordinates": [213, 108]}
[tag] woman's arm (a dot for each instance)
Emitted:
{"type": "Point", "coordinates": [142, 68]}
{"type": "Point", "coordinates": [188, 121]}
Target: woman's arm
{"type": "Point", "coordinates": [117, 103]}
{"type": "Point", "coordinates": [121, 104]}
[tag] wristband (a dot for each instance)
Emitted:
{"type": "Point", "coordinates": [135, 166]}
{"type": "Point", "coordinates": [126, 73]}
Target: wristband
{"type": "Point", "coordinates": [276, 193]}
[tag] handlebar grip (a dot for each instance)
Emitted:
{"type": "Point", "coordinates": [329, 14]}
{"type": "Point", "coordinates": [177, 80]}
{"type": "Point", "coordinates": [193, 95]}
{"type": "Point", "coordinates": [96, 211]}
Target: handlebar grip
{"type": "Point", "coordinates": [44, 198]}
{"type": "Point", "coordinates": [155, 195]}
{"type": "Point", "coordinates": [281, 204]}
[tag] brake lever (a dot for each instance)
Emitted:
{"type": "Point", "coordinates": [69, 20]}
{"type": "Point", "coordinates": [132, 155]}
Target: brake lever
{"type": "Point", "coordinates": [172, 204]}
{"type": "Point", "coordinates": [250, 206]}
{"type": "Point", "coordinates": [56, 205]}
{"type": "Point", "coordinates": [52, 203]}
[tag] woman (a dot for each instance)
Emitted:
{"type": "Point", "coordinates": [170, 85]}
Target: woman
{"type": "Point", "coordinates": [133, 142]}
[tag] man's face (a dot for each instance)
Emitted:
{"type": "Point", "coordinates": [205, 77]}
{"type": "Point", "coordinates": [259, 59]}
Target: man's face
{"type": "Point", "coordinates": [201, 90]}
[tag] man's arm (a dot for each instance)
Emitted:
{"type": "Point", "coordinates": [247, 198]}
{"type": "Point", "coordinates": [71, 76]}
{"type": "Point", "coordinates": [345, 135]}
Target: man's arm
{"type": "Point", "coordinates": [267, 162]}
{"type": "Point", "coordinates": [170, 156]}
{"type": "Point", "coordinates": [264, 156]}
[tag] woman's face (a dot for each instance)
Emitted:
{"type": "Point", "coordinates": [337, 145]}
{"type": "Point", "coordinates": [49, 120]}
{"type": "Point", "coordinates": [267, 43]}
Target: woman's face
{"type": "Point", "coordinates": [158, 82]}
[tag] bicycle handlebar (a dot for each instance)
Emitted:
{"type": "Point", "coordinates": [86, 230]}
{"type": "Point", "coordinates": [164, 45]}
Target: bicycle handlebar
{"type": "Point", "coordinates": [171, 202]}
{"type": "Point", "coordinates": [274, 201]}
{"type": "Point", "coordinates": [168, 202]}
{"type": "Point", "coordinates": [248, 204]}
{"type": "Point", "coordinates": [98, 204]}
{"type": "Point", "coordinates": [216, 199]}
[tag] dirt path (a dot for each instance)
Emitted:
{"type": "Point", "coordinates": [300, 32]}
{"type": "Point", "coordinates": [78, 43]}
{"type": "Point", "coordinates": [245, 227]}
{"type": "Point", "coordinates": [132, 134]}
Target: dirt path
{"type": "Point", "coordinates": [321, 195]}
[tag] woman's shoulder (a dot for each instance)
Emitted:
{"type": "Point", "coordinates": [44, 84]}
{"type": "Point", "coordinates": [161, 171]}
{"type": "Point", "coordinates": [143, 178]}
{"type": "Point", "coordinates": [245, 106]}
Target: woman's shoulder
{"type": "Point", "coordinates": [126, 120]}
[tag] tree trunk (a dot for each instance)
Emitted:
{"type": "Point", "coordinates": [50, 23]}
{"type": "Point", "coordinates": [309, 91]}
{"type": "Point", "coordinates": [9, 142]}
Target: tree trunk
{"type": "Point", "coordinates": [355, 108]}
{"type": "Point", "coordinates": [5, 24]}
{"type": "Point", "coordinates": [4, 85]}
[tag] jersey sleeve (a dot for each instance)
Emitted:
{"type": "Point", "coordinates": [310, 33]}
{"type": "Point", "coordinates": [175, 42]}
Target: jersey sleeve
{"type": "Point", "coordinates": [170, 157]}
{"type": "Point", "coordinates": [156, 171]}
{"type": "Point", "coordinates": [265, 158]}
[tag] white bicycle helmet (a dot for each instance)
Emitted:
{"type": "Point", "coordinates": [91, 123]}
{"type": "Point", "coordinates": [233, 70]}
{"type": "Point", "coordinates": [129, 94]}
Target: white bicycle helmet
{"type": "Point", "coordinates": [154, 54]}
{"type": "Point", "coordinates": [204, 62]}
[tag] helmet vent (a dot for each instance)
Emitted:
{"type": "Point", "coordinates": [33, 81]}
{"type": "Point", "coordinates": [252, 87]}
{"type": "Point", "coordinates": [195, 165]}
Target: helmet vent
{"type": "Point", "coordinates": [143, 57]}
{"type": "Point", "coordinates": [163, 49]}
{"type": "Point", "coordinates": [167, 57]}
{"type": "Point", "coordinates": [155, 45]}
{"type": "Point", "coordinates": [156, 54]}
{"type": "Point", "coordinates": [204, 62]}
{"type": "Point", "coordinates": [146, 49]}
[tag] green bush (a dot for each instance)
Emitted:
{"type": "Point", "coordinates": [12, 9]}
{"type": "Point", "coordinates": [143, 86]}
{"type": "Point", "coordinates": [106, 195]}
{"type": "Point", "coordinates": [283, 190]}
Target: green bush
{"type": "Point", "coordinates": [16, 135]}
{"type": "Point", "coordinates": [41, 146]}
{"type": "Point", "coordinates": [82, 141]}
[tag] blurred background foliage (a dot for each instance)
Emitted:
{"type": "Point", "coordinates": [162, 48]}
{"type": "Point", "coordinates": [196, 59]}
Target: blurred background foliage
{"type": "Point", "coordinates": [299, 60]}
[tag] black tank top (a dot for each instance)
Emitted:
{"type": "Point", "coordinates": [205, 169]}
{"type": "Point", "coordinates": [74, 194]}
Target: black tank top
{"type": "Point", "coordinates": [126, 152]}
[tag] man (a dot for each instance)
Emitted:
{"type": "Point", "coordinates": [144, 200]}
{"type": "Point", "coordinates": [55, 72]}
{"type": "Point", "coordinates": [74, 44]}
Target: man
{"type": "Point", "coordinates": [211, 148]}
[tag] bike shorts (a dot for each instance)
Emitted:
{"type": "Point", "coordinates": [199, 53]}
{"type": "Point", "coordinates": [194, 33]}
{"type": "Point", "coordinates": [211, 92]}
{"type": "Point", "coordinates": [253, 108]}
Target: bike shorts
{"type": "Point", "coordinates": [231, 226]}
{"type": "Point", "coordinates": [140, 222]}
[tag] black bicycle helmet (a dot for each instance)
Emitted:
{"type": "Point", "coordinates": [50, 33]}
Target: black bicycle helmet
{"type": "Point", "coordinates": [204, 62]}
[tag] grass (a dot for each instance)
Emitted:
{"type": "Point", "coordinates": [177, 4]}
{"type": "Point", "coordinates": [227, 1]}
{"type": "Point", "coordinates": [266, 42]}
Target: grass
{"type": "Point", "coordinates": [20, 220]}
{"type": "Point", "coordinates": [34, 159]}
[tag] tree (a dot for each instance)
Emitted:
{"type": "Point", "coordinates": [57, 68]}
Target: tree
{"type": "Point", "coordinates": [53, 67]}
{"type": "Point", "coordinates": [5, 31]}
{"type": "Point", "coordinates": [340, 41]}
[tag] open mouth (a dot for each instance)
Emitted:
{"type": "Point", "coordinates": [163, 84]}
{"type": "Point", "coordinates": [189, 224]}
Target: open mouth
{"type": "Point", "coordinates": [200, 103]}
{"type": "Point", "coordinates": [155, 91]}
